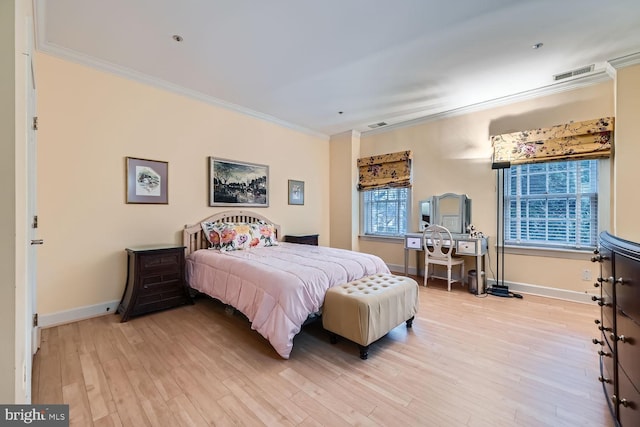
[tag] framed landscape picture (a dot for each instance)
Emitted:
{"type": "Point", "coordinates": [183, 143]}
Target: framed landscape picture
{"type": "Point", "coordinates": [234, 183]}
{"type": "Point", "coordinates": [296, 192]}
{"type": "Point", "coordinates": [147, 181]}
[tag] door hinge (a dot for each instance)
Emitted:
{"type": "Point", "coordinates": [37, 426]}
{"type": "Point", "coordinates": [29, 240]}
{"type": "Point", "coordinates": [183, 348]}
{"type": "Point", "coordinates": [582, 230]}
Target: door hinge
{"type": "Point", "coordinates": [35, 320]}
{"type": "Point", "coordinates": [35, 222]}
{"type": "Point", "coordinates": [35, 122]}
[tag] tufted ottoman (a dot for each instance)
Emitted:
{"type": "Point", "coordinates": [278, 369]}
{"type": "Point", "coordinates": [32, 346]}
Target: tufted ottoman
{"type": "Point", "coordinates": [366, 309]}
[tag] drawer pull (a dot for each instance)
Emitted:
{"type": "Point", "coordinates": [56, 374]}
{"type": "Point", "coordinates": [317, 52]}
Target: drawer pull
{"type": "Point", "coordinates": [619, 281]}
{"type": "Point", "coordinates": [623, 402]}
{"type": "Point", "coordinates": [596, 341]}
{"type": "Point", "coordinates": [604, 380]}
{"type": "Point", "coordinates": [604, 354]}
{"type": "Point", "coordinates": [620, 338]}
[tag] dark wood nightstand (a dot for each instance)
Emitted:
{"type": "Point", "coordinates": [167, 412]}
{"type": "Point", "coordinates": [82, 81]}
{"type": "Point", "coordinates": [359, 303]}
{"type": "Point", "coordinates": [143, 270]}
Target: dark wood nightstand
{"type": "Point", "coordinates": [155, 280]}
{"type": "Point", "coordinates": [304, 239]}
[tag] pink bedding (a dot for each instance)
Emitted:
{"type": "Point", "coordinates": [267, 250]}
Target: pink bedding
{"type": "Point", "coordinates": [277, 287]}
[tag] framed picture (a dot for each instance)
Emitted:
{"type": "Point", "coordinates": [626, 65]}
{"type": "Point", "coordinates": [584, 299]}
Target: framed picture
{"type": "Point", "coordinates": [296, 192]}
{"type": "Point", "coordinates": [147, 181]}
{"type": "Point", "coordinates": [233, 183]}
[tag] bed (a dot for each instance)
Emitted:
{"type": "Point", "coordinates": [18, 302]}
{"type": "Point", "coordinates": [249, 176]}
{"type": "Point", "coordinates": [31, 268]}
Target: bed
{"type": "Point", "coordinates": [276, 285]}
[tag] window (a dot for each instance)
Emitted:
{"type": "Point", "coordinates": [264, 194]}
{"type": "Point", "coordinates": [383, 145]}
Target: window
{"type": "Point", "coordinates": [385, 211]}
{"type": "Point", "coordinates": [552, 204]}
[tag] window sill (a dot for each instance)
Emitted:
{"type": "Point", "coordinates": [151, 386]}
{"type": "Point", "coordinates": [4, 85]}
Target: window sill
{"type": "Point", "coordinates": [387, 239]}
{"type": "Point", "coordinates": [578, 254]}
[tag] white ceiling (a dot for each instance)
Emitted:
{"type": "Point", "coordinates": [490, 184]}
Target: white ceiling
{"type": "Point", "coordinates": [300, 63]}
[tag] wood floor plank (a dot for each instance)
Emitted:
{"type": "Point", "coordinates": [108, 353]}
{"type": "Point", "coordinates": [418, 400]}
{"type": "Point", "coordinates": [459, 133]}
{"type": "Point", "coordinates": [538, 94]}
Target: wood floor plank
{"type": "Point", "coordinates": [467, 361]}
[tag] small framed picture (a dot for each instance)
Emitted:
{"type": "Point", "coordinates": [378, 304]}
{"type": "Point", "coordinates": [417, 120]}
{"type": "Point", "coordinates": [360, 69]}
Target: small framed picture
{"type": "Point", "coordinates": [296, 192]}
{"type": "Point", "coordinates": [147, 181]}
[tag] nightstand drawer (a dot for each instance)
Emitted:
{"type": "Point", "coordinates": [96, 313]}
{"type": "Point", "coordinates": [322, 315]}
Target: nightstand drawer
{"type": "Point", "coordinates": [155, 279]}
{"type": "Point", "coordinates": [150, 263]}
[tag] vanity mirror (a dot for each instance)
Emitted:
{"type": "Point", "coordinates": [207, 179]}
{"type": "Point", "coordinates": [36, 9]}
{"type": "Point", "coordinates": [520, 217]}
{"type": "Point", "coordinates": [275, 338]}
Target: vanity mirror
{"type": "Point", "coordinates": [450, 210]}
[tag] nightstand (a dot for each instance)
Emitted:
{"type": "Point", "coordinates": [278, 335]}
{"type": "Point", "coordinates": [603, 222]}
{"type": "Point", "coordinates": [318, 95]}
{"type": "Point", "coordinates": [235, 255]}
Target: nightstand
{"type": "Point", "coordinates": [304, 239]}
{"type": "Point", "coordinates": [155, 280]}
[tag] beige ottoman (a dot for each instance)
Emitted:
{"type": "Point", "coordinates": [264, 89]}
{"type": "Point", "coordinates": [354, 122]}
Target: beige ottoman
{"type": "Point", "coordinates": [367, 309]}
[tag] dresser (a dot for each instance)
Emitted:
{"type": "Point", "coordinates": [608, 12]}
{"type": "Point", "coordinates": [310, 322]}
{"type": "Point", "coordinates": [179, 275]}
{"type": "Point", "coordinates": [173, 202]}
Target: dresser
{"type": "Point", "coordinates": [155, 280]}
{"type": "Point", "coordinates": [305, 239]}
{"type": "Point", "coordinates": [619, 326]}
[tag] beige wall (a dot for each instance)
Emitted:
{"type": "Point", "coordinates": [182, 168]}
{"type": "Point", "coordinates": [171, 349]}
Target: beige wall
{"type": "Point", "coordinates": [453, 155]}
{"type": "Point", "coordinates": [90, 121]}
{"type": "Point", "coordinates": [627, 153]}
{"type": "Point", "coordinates": [345, 149]}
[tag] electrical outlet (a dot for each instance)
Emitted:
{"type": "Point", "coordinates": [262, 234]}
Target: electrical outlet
{"type": "Point", "coordinates": [586, 275]}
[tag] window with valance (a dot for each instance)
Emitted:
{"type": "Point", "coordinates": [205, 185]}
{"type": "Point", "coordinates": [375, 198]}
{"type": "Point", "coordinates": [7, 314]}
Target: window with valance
{"type": "Point", "coordinates": [551, 177]}
{"type": "Point", "coordinates": [385, 170]}
{"type": "Point", "coordinates": [588, 139]}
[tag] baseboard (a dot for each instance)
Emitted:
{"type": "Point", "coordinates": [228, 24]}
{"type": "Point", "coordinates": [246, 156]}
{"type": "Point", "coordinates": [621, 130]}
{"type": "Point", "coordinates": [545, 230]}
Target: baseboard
{"type": "Point", "coordinates": [545, 291]}
{"type": "Point", "coordinates": [522, 288]}
{"type": "Point", "coordinates": [75, 314]}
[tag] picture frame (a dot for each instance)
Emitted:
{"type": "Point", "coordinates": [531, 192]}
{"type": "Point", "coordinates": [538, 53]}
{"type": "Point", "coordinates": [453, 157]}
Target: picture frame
{"type": "Point", "coordinates": [296, 192]}
{"type": "Point", "coordinates": [147, 181]}
{"type": "Point", "coordinates": [235, 183]}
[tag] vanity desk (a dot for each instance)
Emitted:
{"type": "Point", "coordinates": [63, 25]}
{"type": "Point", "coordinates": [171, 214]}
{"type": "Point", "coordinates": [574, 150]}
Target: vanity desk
{"type": "Point", "coordinates": [452, 211]}
{"type": "Point", "coordinates": [463, 245]}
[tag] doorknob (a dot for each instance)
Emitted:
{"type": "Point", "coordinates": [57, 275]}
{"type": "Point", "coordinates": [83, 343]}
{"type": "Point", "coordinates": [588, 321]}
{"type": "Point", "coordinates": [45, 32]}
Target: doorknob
{"type": "Point", "coordinates": [37, 242]}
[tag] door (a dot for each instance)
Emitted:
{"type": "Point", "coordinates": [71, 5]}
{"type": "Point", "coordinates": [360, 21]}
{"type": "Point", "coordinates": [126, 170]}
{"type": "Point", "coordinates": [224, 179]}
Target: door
{"type": "Point", "coordinates": [32, 333]}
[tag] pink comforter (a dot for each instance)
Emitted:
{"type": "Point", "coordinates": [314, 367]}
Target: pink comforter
{"type": "Point", "coordinates": [277, 287]}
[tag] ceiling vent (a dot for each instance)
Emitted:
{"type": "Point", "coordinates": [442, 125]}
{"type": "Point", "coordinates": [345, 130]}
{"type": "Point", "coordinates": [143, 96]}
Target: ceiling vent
{"type": "Point", "coordinates": [573, 73]}
{"type": "Point", "coordinates": [377, 125]}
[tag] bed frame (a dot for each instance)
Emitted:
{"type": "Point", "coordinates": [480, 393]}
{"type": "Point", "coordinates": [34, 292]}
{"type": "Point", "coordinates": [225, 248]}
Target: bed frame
{"type": "Point", "coordinates": [193, 237]}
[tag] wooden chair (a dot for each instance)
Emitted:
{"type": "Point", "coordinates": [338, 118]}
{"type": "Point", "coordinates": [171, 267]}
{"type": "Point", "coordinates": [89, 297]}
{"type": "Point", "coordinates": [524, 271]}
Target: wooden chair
{"type": "Point", "coordinates": [438, 248]}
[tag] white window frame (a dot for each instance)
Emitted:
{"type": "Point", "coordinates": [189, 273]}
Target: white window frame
{"type": "Point", "coordinates": [365, 230]}
{"type": "Point", "coordinates": [602, 215]}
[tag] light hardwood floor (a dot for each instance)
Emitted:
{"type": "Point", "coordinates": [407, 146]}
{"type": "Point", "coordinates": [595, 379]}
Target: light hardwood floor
{"type": "Point", "coordinates": [467, 361]}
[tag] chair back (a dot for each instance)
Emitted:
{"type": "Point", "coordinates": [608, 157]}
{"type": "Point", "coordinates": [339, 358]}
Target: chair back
{"type": "Point", "coordinates": [438, 242]}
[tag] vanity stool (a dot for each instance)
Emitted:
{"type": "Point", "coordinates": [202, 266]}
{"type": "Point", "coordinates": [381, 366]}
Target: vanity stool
{"type": "Point", "coordinates": [365, 310]}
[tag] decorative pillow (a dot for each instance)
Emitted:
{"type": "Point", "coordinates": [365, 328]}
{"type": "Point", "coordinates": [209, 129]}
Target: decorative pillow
{"type": "Point", "coordinates": [266, 233]}
{"type": "Point", "coordinates": [228, 236]}
{"type": "Point", "coordinates": [212, 233]}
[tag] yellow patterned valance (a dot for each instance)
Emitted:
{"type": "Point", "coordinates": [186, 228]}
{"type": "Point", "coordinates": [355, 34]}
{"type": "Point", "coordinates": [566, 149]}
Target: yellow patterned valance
{"type": "Point", "coordinates": [580, 140]}
{"type": "Point", "coordinates": [385, 170]}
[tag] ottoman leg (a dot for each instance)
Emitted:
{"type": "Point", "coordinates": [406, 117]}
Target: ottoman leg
{"type": "Point", "coordinates": [364, 351]}
{"type": "Point", "coordinates": [410, 322]}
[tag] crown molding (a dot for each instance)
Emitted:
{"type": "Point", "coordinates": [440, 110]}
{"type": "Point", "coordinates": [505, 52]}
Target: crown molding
{"type": "Point", "coordinates": [110, 68]}
{"type": "Point", "coordinates": [625, 61]}
{"type": "Point", "coordinates": [590, 79]}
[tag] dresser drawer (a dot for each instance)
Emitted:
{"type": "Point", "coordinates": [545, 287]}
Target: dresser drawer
{"type": "Point", "coordinates": [607, 376]}
{"type": "Point", "coordinates": [628, 402]}
{"type": "Point", "coordinates": [628, 349]}
{"type": "Point", "coordinates": [627, 287]}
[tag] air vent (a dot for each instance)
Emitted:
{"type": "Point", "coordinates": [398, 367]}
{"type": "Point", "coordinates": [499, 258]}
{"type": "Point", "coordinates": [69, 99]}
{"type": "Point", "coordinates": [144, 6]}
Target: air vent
{"type": "Point", "coordinates": [377, 125]}
{"type": "Point", "coordinates": [568, 74]}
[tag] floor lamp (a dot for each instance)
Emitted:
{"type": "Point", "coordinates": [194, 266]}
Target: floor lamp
{"type": "Point", "coordinates": [499, 289]}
